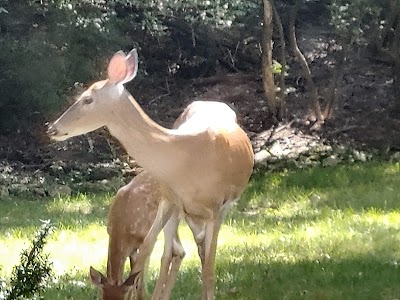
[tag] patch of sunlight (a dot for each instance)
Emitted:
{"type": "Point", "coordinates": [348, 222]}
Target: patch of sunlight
{"type": "Point", "coordinates": [71, 251]}
{"type": "Point", "coordinates": [80, 204]}
{"type": "Point", "coordinates": [18, 232]}
{"type": "Point", "coordinates": [275, 180]}
{"type": "Point", "coordinates": [8, 255]}
{"type": "Point", "coordinates": [343, 234]}
{"type": "Point", "coordinates": [392, 169]}
{"type": "Point", "coordinates": [297, 206]}
{"type": "Point", "coordinates": [384, 219]}
{"type": "Point", "coordinates": [228, 236]}
{"type": "Point", "coordinates": [188, 243]}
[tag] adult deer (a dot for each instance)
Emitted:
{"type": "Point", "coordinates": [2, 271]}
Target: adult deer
{"type": "Point", "coordinates": [130, 217]}
{"type": "Point", "coordinates": [202, 167]}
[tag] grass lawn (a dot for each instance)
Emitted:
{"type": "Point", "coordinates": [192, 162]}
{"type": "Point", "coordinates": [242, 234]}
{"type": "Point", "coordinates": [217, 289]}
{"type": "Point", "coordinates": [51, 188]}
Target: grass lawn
{"type": "Point", "coordinates": [320, 233]}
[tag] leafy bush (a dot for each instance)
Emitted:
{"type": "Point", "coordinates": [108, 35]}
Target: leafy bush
{"type": "Point", "coordinates": [30, 277]}
{"type": "Point", "coordinates": [186, 38]}
{"type": "Point", "coordinates": [353, 19]}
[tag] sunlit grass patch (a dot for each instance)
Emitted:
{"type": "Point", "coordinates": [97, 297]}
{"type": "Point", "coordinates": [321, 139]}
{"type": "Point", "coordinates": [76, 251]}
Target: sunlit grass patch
{"type": "Point", "coordinates": [80, 204]}
{"type": "Point", "coordinates": [321, 233]}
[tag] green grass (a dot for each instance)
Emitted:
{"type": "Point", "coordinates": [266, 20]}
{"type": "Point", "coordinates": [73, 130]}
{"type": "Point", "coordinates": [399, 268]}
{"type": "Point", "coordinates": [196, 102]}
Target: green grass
{"type": "Point", "coordinates": [321, 233]}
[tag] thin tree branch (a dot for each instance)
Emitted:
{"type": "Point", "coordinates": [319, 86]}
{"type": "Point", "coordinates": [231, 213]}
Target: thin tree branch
{"type": "Point", "coordinates": [312, 90]}
{"type": "Point", "coordinates": [332, 93]}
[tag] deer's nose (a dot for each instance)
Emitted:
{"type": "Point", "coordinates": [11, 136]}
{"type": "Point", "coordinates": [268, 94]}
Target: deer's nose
{"type": "Point", "coordinates": [52, 130]}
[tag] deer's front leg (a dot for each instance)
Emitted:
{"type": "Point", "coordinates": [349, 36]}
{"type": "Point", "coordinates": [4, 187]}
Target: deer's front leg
{"type": "Point", "coordinates": [171, 259]}
{"type": "Point", "coordinates": [164, 212]}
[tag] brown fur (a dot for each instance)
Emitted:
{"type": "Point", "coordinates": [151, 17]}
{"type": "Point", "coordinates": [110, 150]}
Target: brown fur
{"type": "Point", "coordinates": [130, 217]}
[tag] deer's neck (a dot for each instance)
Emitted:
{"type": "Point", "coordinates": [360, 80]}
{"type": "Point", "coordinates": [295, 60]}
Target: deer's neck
{"type": "Point", "coordinates": [115, 262]}
{"type": "Point", "coordinates": [151, 145]}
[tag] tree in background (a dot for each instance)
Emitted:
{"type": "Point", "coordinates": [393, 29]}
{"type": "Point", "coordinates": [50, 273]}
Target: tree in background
{"type": "Point", "coordinates": [267, 71]}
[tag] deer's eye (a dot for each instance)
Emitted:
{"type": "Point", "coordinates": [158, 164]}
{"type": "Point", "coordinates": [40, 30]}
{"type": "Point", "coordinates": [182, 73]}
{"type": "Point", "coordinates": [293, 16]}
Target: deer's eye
{"type": "Point", "coordinates": [87, 100]}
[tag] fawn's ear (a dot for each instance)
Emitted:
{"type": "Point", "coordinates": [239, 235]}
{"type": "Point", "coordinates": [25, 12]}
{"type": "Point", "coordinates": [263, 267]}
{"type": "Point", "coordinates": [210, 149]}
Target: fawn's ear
{"type": "Point", "coordinates": [131, 280]}
{"type": "Point", "coordinates": [97, 278]}
{"type": "Point", "coordinates": [131, 65]}
{"type": "Point", "coordinates": [117, 68]}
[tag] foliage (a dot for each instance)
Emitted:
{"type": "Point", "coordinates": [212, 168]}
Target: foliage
{"type": "Point", "coordinates": [353, 19]}
{"type": "Point", "coordinates": [47, 46]}
{"type": "Point", "coordinates": [44, 48]}
{"type": "Point", "coordinates": [29, 278]}
{"type": "Point", "coordinates": [3, 286]}
{"type": "Point", "coordinates": [154, 15]}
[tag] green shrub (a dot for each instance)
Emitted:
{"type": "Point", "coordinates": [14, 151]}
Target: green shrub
{"type": "Point", "coordinates": [353, 19]}
{"type": "Point", "coordinates": [30, 277]}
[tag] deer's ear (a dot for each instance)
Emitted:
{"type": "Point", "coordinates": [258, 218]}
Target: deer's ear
{"type": "Point", "coordinates": [131, 65]}
{"type": "Point", "coordinates": [117, 68]}
{"type": "Point", "coordinates": [97, 278]}
{"type": "Point", "coordinates": [131, 280]}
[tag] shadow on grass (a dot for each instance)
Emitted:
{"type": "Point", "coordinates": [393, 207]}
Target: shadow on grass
{"type": "Point", "coordinates": [254, 277]}
{"type": "Point", "coordinates": [358, 278]}
{"type": "Point", "coordinates": [70, 288]}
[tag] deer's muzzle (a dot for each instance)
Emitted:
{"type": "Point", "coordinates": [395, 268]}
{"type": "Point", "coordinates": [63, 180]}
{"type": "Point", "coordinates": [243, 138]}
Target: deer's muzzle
{"type": "Point", "coordinates": [52, 130]}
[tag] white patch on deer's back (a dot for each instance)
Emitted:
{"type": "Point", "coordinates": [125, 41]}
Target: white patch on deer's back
{"type": "Point", "coordinates": [208, 116]}
{"type": "Point", "coordinates": [143, 187]}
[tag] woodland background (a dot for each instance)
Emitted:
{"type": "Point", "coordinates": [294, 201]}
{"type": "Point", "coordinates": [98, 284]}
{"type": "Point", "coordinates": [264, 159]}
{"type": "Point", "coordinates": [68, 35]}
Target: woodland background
{"type": "Point", "coordinates": [312, 82]}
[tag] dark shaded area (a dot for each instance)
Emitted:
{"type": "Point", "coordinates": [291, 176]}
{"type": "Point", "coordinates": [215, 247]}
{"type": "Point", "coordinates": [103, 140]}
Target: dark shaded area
{"type": "Point", "coordinates": [353, 278]}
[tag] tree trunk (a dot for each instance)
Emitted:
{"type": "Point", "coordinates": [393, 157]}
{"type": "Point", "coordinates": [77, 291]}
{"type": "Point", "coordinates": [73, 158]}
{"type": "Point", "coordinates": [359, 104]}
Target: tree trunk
{"type": "Point", "coordinates": [310, 86]}
{"type": "Point", "coordinates": [282, 85]}
{"type": "Point", "coordinates": [396, 62]}
{"type": "Point", "coordinates": [268, 76]}
{"type": "Point", "coordinates": [332, 94]}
